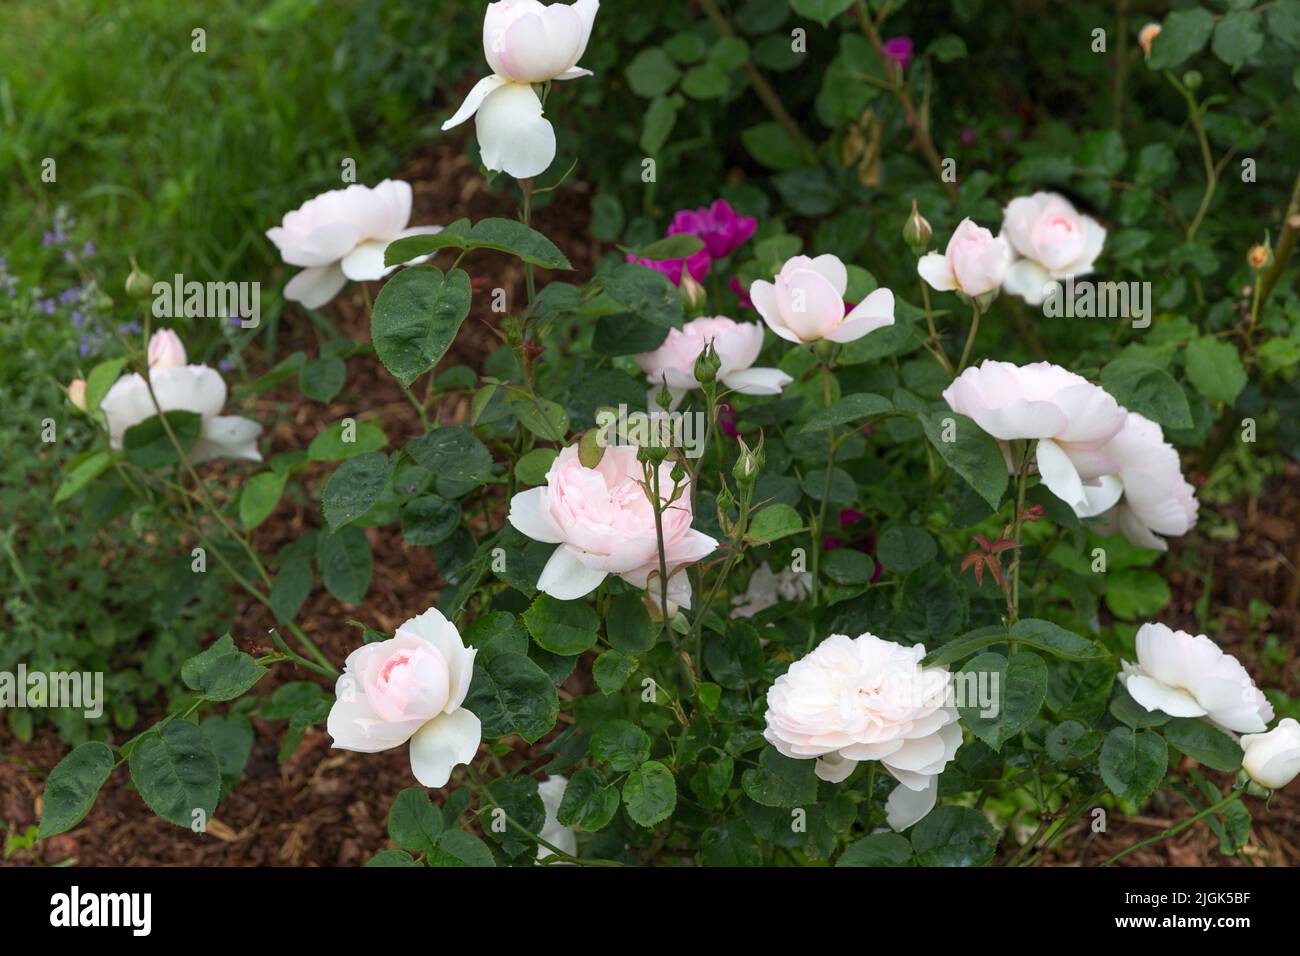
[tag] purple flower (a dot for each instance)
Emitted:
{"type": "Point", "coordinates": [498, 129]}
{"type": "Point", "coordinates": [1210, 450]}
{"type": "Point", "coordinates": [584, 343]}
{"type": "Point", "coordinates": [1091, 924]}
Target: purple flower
{"type": "Point", "coordinates": [968, 136]}
{"type": "Point", "coordinates": [224, 366]}
{"type": "Point", "coordinates": [77, 319]}
{"type": "Point", "coordinates": [722, 230]}
{"type": "Point", "coordinates": [741, 293]}
{"type": "Point", "coordinates": [88, 249]}
{"type": "Point", "coordinates": [899, 49]}
{"type": "Point", "coordinates": [697, 265]}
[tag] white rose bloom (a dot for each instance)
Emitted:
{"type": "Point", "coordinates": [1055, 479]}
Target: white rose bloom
{"type": "Point", "coordinates": [342, 235]}
{"type": "Point", "coordinates": [864, 698]}
{"type": "Point", "coordinates": [525, 42]}
{"type": "Point", "coordinates": [1053, 240]}
{"type": "Point", "coordinates": [1157, 499]}
{"type": "Point", "coordinates": [179, 387]}
{"type": "Point", "coordinates": [1185, 676]}
{"type": "Point", "coordinates": [1273, 759]}
{"type": "Point", "coordinates": [551, 790]}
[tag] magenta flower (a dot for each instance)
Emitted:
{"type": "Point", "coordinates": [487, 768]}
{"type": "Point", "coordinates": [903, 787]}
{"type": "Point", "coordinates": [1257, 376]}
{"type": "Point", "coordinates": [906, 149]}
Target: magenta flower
{"type": "Point", "coordinates": [899, 49]}
{"type": "Point", "coordinates": [741, 293]}
{"type": "Point", "coordinates": [697, 265]}
{"type": "Point", "coordinates": [722, 230]}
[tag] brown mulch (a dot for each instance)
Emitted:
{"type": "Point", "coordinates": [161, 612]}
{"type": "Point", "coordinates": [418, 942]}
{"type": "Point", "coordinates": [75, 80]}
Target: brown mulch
{"type": "Point", "coordinates": [324, 807]}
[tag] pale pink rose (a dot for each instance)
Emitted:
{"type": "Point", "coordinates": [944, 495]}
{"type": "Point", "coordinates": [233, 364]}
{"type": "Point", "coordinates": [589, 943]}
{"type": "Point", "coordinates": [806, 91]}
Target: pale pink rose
{"type": "Point", "coordinates": [1071, 418]}
{"type": "Point", "coordinates": [77, 393]}
{"type": "Point", "coordinates": [525, 42]}
{"type": "Point", "coordinates": [1273, 759]}
{"type": "Point", "coordinates": [189, 388]}
{"type": "Point", "coordinates": [1185, 676]}
{"type": "Point", "coordinates": [975, 262]}
{"type": "Point", "coordinates": [1054, 241]}
{"type": "Point", "coordinates": [1157, 499]}
{"type": "Point", "coordinates": [342, 235]}
{"type": "Point", "coordinates": [767, 588]}
{"type": "Point", "coordinates": [864, 698]}
{"type": "Point", "coordinates": [603, 522]}
{"type": "Point", "coordinates": [410, 687]}
{"type": "Point", "coordinates": [737, 345]}
{"type": "Point", "coordinates": [805, 303]}
{"type": "Point", "coordinates": [166, 350]}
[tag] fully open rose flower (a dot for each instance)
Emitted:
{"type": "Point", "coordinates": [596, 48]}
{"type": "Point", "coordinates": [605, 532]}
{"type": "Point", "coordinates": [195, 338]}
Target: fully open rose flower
{"type": "Point", "coordinates": [805, 303]}
{"type": "Point", "coordinates": [737, 345]}
{"type": "Point", "coordinates": [525, 42]}
{"type": "Point", "coordinates": [410, 687]}
{"type": "Point", "coordinates": [721, 227]}
{"type": "Point", "coordinates": [551, 790]}
{"type": "Point", "coordinates": [180, 387]}
{"type": "Point", "coordinates": [1054, 241]}
{"type": "Point", "coordinates": [1071, 418]}
{"type": "Point", "coordinates": [865, 698]}
{"type": "Point", "coordinates": [1273, 759]}
{"type": "Point", "coordinates": [1185, 676]}
{"type": "Point", "coordinates": [603, 522]}
{"type": "Point", "coordinates": [1157, 499]}
{"type": "Point", "coordinates": [342, 235]}
{"type": "Point", "coordinates": [975, 262]}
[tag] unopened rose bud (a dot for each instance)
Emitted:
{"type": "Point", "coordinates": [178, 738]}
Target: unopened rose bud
{"type": "Point", "coordinates": [653, 454]}
{"type": "Point", "coordinates": [693, 295]}
{"type": "Point", "coordinates": [139, 283]}
{"type": "Point", "coordinates": [708, 364]}
{"type": "Point", "coordinates": [1192, 80]}
{"type": "Point", "coordinates": [1147, 36]}
{"type": "Point", "coordinates": [166, 350]}
{"type": "Point", "coordinates": [916, 231]}
{"type": "Point", "coordinates": [678, 474]}
{"type": "Point", "coordinates": [749, 463]}
{"type": "Point", "coordinates": [665, 397]}
{"type": "Point", "coordinates": [1259, 256]}
{"type": "Point", "coordinates": [77, 393]}
{"type": "Point", "coordinates": [1272, 759]}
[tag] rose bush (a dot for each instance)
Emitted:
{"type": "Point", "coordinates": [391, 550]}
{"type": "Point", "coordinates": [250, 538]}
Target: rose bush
{"type": "Point", "coordinates": [870, 575]}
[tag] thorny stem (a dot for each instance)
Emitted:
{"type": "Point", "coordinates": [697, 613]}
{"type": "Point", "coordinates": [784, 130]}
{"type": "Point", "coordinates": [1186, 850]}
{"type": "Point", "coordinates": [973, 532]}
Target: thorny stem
{"type": "Point", "coordinates": [1211, 174]}
{"type": "Point", "coordinates": [1179, 828]}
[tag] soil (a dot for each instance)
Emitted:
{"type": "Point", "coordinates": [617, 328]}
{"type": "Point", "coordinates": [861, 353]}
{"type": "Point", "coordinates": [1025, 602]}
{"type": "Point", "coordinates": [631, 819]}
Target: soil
{"type": "Point", "coordinates": [325, 807]}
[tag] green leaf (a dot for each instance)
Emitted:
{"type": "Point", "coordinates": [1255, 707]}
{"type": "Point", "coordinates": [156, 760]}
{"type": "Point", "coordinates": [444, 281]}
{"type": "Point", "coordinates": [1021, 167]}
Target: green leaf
{"type": "Point", "coordinates": [414, 823]}
{"type": "Point", "coordinates": [544, 418]}
{"type": "Point", "coordinates": [626, 334]}
{"type": "Point", "coordinates": [429, 519]}
{"type": "Point", "coordinates": [1183, 34]}
{"type": "Point", "coordinates": [730, 843]}
{"type": "Point", "coordinates": [1136, 592]}
{"type": "Point", "coordinates": [562, 627]}
{"type": "Point", "coordinates": [1205, 744]}
{"type": "Point", "coordinates": [1103, 153]}
{"type": "Point", "coordinates": [1016, 688]}
{"type": "Point", "coordinates": [611, 671]}
{"type": "Point", "coordinates": [780, 781]}
{"type": "Point", "coordinates": [773, 522]}
{"type": "Point", "coordinates": [72, 787]}
{"type": "Point", "coordinates": [627, 624]}
{"type": "Point", "coordinates": [416, 318]}
{"type": "Point", "coordinates": [1148, 390]}
{"type": "Point", "coordinates": [1133, 764]}
{"type": "Point", "coordinates": [621, 744]}
{"type": "Point", "coordinates": [848, 567]}
{"type": "Point", "coordinates": [823, 11]}
{"type": "Point", "coordinates": [222, 672]}
{"type": "Point", "coordinates": [392, 858]}
{"type": "Point", "coordinates": [330, 443]}
{"type": "Point", "coordinates": [850, 408]}
{"type": "Point", "coordinates": [658, 122]}
{"type": "Point", "coordinates": [82, 474]}
{"type": "Point", "coordinates": [954, 836]}
{"type": "Point", "coordinates": [323, 378]}
{"type": "Point", "coordinates": [707, 81]}
{"type": "Point", "coordinates": [1069, 743]}
{"type": "Point", "coordinates": [970, 452]}
{"type": "Point", "coordinates": [648, 293]}
{"type": "Point", "coordinates": [650, 794]}
{"type": "Point", "coordinates": [458, 848]}
{"type": "Point", "coordinates": [1238, 37]}
{"type": "Point", "coordinates": [101, 378]}
{"type": "Point", "coordinates": [1038, 634]}
{"type": "Point", "coordinates": [231, 736]}
{"type": "Point", "coordinates": [771, 144]}
{"type": "Point", "coordinates": [177, 773]}
{"type": "Point", "coordinates": [1215, 369]}
{"type": "Point", "coordinates": [148, 446]}
{"type": "Point", "coordinates": [459, 461]}
{"type": "Point", "coordinates": [512, 695]}
{"type": "Point", "coordinates": [260, 496]}
{"type": "Point", "coordinates": [903, 549]}
{"type": "Point", "coordinates": [683, 245]}
{"type": "Point", "coordinates": [651, 73]}
{"type": "Point", "coordinates": [500, 235]}
{"type": "Point", "coordinates": [355, 487]}
{"type": "Point", "coordinates": [345, 563]}
{"type": "Point", "coordinates": [878, 849]}
{"type": "Point", "coordinates": [290, 589]}
{"type": "Point", "coordinates": [532, 468]}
